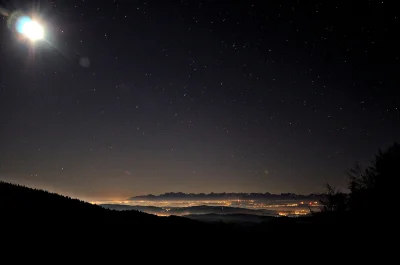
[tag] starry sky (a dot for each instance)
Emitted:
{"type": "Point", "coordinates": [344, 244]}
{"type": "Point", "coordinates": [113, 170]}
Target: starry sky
{"type": "Point", "coordinates": [133, 97]}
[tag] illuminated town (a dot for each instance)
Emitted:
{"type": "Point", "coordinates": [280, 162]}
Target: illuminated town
{"type": "Point", "coordinates": [275, 207]}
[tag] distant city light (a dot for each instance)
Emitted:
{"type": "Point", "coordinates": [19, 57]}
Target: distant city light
{"type": "Point", "coordinates": [167, 207]}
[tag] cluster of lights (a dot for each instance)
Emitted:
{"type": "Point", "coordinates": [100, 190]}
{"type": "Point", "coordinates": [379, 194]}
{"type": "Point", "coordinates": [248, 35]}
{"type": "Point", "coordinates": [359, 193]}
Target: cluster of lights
{"type": "Point", "coordinates": [292, 209]}
{"type": "Point", "coordinates": [186, 203]}
{"type": "Point", "coordinates": [294, 213]}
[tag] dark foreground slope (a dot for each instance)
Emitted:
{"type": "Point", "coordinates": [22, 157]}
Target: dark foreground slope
{"type": "Point", "coordinates": [39, 218]}
{"type": "Point", "coordinates": [22, 205]}
{"type": "Point", "coordinates": [48, 212]}
{"type": "Point", "coordinates": [19, 204]}
{"type": "Point", "coordinates": [38, 206]}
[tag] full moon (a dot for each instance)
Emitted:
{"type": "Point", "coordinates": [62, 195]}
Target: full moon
{"type": "Point", "coordinates": [30, 28]}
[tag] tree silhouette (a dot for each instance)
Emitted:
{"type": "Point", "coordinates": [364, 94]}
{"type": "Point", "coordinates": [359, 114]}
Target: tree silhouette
{"type": "Point", "coordinates": [372, 188]}
{"type": "Point", "coordinates": [334, 201]}
{"type": "Point", "coordinates": [375, 185]}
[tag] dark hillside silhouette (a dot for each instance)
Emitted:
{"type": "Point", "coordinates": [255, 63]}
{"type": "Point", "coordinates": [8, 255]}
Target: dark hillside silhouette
{"type": "Point", "coordinates": [38, 208]}
{"type": "Point", "coordinates": [25, 207]}
{"type": "Point", "coordinates": [22, 206]}
{"type": "Point", "coordinates": [41, 206]}
{"type": "Point", "coordinates": [42, 219]}
{"type": "Point", "coordinates": [372, 191]}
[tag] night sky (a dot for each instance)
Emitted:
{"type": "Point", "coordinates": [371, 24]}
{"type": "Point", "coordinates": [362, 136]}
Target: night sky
{"type": "Point", "coordinates": [133, 97]}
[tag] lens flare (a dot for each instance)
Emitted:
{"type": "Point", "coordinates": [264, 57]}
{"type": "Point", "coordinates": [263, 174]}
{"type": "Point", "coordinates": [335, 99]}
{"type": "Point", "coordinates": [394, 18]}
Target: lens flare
{"type": "Point", "coordinates": [30, 28]}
